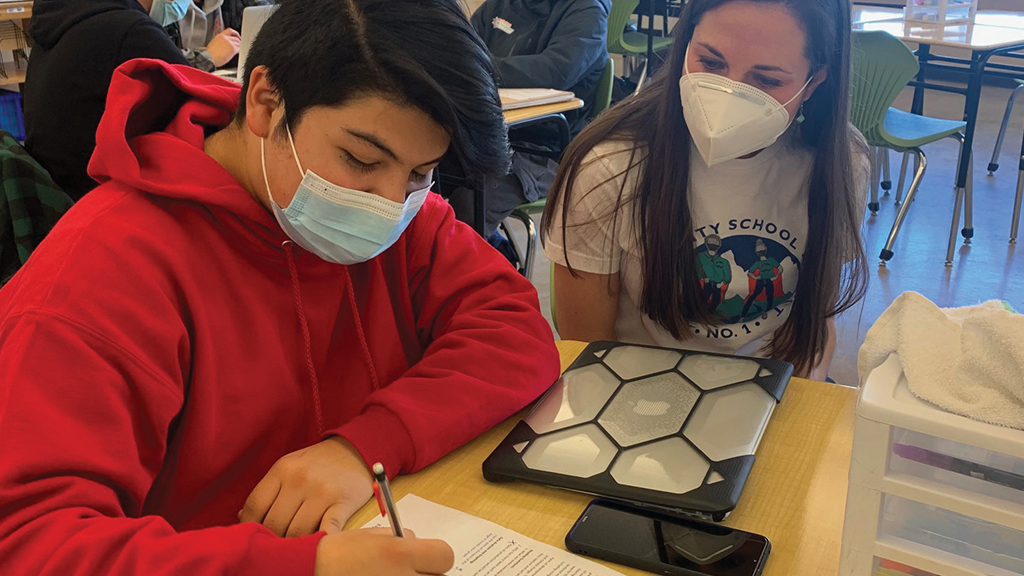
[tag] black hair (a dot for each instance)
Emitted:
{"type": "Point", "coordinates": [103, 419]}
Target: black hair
{"type": "Point", "coordinates": [833, 273]}
{"type": "Point", "coordinates": [421, 53]}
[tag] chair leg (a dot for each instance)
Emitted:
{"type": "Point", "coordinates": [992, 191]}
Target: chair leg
{"type": "Point", "coordinates": [899, 193]}
{"type": "Point", "coordinates": [531, 245]}
{"type": "Point", "coordinates": [993, 164]}
{"type": "Point", "coordinates": [527, 257]}
{"type": "Point", "coordinates": [957, 203]}
{"type": "Point", "coordinates": [968, 192]}
{"type": "Point", "coordinates": [886, 178]}
{"type": "Point", "coordinates": [968, 230]}
{"type": "Point", "coordinates": [1020, 196]}
{"type": "Point", "coordinates": [1017, 205]}
{"type": "Point", "coordinates": [643, 77]}
{"type": "Point", "coordinates": [903, 176]}
{"type": "Point", "coordinates": [873, 204]}
{"type": "Point", "coordinates": [520, 255]}
{"type": "Point", "coordinates": [921, 161]}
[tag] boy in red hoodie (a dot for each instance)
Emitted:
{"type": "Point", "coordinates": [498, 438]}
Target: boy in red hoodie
{"type": "Point", "coordinates": [259, 300]}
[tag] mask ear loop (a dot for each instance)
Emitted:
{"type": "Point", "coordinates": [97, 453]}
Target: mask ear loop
{"type": "Point", "coordinates": [800, 115]}
{"type": "Point", "coordinates": [801, 91]}
{"type": "Point", "coordinates": [295, 154]}
{"type": "Point", "coordinates": [263, 163]}
{"type": "Point", "coordinates": [263, 159]}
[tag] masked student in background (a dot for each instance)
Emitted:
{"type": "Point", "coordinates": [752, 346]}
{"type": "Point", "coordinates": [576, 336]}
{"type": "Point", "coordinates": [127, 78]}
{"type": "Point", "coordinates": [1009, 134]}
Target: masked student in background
{"type": "Point", "coordinates": [261, 298]}
{"type": "Point", "coordinates": [197, 28]}
{"type": "Point", "coordinates": [719, 209]}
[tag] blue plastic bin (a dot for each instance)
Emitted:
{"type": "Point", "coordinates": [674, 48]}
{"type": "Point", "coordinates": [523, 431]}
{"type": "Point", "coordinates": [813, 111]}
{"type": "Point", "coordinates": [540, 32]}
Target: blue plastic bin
{"type": "Point", "coordinates": [11, 119]}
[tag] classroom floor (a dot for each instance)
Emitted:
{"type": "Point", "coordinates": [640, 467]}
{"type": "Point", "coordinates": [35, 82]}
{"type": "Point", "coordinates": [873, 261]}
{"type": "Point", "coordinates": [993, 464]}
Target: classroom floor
{"type": "Point", "coordinates": [989, 268]}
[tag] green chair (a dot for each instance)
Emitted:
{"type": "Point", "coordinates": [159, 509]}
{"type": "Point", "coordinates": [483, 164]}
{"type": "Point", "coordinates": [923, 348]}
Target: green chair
{"type": "Point", "coordinates": [631, 44]}
{"type": "Point", "coordinates": [882, 67]}
{"type": "Point", "coordinates": [523, 213]}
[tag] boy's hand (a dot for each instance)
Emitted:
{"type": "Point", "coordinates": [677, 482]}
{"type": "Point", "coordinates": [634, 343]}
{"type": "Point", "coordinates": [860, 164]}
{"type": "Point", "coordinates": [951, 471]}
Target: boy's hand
{"type": "Point", "coordinates": [316, 488]}
{"type": "Point", "coordinates": [371, 552]}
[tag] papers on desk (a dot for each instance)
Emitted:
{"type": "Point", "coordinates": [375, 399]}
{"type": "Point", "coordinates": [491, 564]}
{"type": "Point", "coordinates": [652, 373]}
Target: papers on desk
{"type": "Point", "coordinates": [226, 73]}
{"type": "Point", "coordinates": [515, 98]}
{"type": "Point", "coordinates": [483, 548]}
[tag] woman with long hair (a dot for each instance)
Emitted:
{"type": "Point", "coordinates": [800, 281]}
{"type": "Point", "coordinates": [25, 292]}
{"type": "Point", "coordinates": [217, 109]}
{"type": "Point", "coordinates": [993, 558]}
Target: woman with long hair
{"type": "Point", "coordinates": [719, 208]}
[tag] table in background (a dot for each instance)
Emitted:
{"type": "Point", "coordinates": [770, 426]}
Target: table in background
{"type": "Point", "coordinates": [983, 39]}
{"type": "Point", "coordinates": [519, 118]}
{"type": "Point", "coordinates": [796, 494]}
{"type": "Point", "coordinates": [532, 114]}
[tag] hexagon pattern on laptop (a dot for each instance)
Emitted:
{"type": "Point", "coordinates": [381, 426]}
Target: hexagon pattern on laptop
{"type": "Point", "coordinates": [653, 418]}
{"type": "Point", "coordinates": [649, 409]}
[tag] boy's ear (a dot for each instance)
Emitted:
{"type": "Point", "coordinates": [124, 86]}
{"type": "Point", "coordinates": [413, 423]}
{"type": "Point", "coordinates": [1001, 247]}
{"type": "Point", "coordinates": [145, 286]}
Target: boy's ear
{"type": "Point", "coordinates": [261, 102]}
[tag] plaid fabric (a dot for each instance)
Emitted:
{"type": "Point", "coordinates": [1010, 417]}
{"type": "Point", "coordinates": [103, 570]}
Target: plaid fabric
{"type": "Point", "coordinates": [30, 205]}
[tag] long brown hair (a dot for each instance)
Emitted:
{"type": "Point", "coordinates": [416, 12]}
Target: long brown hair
{"type": "Point", "coordinates": [833, 274]}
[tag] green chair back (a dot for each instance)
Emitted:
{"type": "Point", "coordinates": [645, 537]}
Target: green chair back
{"type": "Point", "coordinates": [603, 100]}
{"type": "Point", "coordinates": [618, 18]}
{"type": "Point", "coordinates": [882, 67]}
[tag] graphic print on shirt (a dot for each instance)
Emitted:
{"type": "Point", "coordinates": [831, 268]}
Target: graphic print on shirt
{"type": "Point", "coordinates": [748, 277]}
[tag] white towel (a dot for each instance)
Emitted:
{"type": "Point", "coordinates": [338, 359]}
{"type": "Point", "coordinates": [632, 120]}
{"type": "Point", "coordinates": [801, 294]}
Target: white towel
{"type": "Point", "coordinates": [969, 361]}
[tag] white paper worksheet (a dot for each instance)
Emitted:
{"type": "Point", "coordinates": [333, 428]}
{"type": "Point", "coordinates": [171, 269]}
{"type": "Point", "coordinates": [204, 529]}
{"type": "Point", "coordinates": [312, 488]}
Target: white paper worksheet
{"type": "Point", "coordinates": [483, 548]}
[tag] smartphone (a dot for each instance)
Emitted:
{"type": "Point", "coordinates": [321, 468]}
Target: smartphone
{"type": "Point", "coordinates": [662, 543]}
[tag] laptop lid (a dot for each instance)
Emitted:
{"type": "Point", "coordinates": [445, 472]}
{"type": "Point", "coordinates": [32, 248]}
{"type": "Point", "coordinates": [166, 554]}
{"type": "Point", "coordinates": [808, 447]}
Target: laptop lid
{"type": "Point", "coordinates": [253, 19]}
{"type": "Point", "coordinates": [653, 426]}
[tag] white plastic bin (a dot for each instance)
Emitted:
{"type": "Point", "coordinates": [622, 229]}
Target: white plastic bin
{"type": "Point", "coordinates": [930, 490]}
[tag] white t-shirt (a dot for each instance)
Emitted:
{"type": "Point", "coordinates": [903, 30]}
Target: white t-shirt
{"type": "Point", "coordinates": [756, 207]}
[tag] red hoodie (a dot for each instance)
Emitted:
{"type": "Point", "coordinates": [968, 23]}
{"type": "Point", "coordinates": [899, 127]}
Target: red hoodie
{"type": "Point", "coordinates": [155, 358]}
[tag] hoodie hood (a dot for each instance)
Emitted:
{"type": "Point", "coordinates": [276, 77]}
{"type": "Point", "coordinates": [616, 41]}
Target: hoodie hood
{"type": "Point", "coordinates": [153, 133]}
{"type": "Point", "coordinates": [51, 19]}
{"type": "Point", "coordinates": [200, 25]}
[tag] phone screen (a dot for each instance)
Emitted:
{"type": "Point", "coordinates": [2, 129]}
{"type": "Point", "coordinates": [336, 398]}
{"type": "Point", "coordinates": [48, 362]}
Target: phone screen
{"type": "Point", "coordinates": [659, 542]}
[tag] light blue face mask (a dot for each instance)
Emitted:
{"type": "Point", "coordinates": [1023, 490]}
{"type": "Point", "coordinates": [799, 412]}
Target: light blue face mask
{"type": "Point", "coordinates": [338, 224]}
{"type": "Point", "coordinates": [167, 12]}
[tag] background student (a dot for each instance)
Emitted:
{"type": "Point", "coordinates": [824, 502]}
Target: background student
{"type": "Point", "coordinates": [560, 44]}
{"type": "Point", "coordinates": [197, 27]}
{"type": "Point", "coordinates": [261, 299]}
{"type": "Point", "coordinates": [76, 47]}
{"type": "Point", "coordinates": [720, 207]}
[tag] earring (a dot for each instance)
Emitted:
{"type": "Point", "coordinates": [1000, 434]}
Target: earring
{"type": "Point", "coordinates": [800, 115]}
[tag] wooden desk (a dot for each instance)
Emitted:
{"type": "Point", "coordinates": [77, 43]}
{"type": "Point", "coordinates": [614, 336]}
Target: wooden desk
{"type": "Point", "coordinates": [513, 117]}
{"type": "Point", "coordinates": [15, 11]}
{"type": "Point", "coordinates": [796, 494]}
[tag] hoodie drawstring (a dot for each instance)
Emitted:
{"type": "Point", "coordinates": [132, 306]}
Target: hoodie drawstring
{"type": "Point", "coordinates": [363, 344]}
{"type": "Point", "coordinates": [297, 295]}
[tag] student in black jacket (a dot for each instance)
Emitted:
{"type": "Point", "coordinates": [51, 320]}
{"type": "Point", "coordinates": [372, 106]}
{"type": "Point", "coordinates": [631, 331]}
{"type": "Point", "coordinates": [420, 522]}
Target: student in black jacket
{"type": "Point", "coordinates": [560, 44]}
{"type": "Point", "coordinates": [76, 47]}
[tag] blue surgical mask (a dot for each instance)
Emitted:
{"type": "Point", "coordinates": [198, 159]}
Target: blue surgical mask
{"type": "Point", "coordinates": [167, 12]}
{"type": "Point", "coordinates": [338, 224]}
